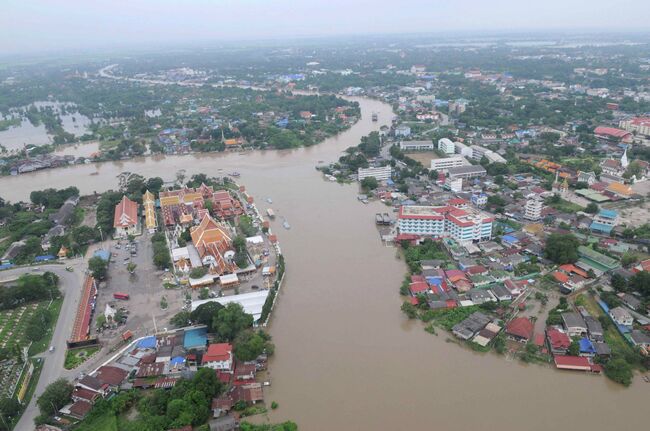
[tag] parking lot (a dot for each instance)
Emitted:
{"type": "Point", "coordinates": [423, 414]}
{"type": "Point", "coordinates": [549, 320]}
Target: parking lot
{"type": "Point", "coordinates": [145, 288]}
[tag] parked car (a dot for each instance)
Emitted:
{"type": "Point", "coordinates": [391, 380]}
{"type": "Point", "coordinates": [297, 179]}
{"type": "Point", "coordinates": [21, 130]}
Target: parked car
{"type": "Point", "coordinates": [51, 349]}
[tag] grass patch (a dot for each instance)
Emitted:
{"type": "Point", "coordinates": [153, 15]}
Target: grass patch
{"type": "Point", "coordinates": [562, 205]}
{"type": "Point", "coordinates": [105, 422]}
{"type": "Point", "coordinates": [76, 357]}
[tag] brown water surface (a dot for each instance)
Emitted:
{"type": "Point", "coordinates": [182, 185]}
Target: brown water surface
{"type": "Point", "coordinates": [346, 358]}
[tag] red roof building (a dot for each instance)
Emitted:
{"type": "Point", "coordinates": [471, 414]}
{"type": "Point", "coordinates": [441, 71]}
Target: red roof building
{"type": "Point", "coordinates": [520, 328]}
{"type": "Point", "coordinates": [558, 341]}
{"type": "Point", "coordinates": [110, 375]}
{"type": "Point", "coordinates": [614, 133]}
{"type": "Point", "coordinates": [218, 356]}
{"type": "Point", "coordinates": [125, 220]}
{"type": "Point", "coordinates": [576, 363]}
{"type": "Point", "coordinates": [419, 287]}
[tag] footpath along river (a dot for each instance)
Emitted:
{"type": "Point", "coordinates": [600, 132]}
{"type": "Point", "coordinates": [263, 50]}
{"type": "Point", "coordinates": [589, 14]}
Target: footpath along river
{"type": "Point", "coordinates": [346, 357]}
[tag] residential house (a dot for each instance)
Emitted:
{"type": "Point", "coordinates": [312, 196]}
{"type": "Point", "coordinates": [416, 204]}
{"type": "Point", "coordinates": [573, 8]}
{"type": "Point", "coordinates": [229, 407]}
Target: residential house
{"type": "Point", "coordinates": [594, 328]}
{"type": "Point", "coordinates": [224, 423]}
{"type": "Point", "coordinates": [558, 341]}
{"type": "Point", "coordinates": [218, 357]}
{"type": "Point", "coordinates": [640, 339]}
{"type": "Point", "coordinates": [520, 329]}
{"type": "Point", "coordinates": [621, 316]}
{"type": "Point", "coordinates": [574, 324]}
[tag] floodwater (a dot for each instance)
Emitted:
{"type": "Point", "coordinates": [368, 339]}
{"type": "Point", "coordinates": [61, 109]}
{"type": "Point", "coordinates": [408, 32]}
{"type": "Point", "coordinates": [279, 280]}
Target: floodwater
{"type": "Point", "coordinates": [16, 137]}
{"type": "Point", "coordinates": [346, 358]}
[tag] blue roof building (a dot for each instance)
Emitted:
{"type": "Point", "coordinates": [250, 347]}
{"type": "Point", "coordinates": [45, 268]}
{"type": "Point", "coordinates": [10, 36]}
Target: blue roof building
{"type": "Point", "coordinates": [196, 338]}
{"type": "Point", "coordinates": [103, 254]}
{"type": "Point", "coordinates": [44, 258]}
{"type": "Point", "coordinates": [176, 361]}
{"type": "Point", "coordinates": [604, 221]}
{"type": "Point", "coordinates": [586, 347]}
{"type": "Point", "coordinates": [147, 343]}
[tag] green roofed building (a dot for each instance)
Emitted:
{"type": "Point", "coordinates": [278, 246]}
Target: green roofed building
{"type": "Point", "coordinates": [593, 195]}
{"type": "Point", "coordinates": [597, 260]}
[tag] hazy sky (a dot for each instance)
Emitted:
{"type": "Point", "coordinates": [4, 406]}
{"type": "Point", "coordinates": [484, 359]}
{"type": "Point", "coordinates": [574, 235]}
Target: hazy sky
{"type": "Point", "coordinates": [43, 25]}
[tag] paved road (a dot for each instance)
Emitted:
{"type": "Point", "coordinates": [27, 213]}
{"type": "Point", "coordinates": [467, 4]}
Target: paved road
{"type": "Point", "coordinates": [70, 286]}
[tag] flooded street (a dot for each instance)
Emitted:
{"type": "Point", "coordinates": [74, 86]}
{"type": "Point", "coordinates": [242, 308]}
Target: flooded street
{"type": "Point", "coordinates": [346, 357]}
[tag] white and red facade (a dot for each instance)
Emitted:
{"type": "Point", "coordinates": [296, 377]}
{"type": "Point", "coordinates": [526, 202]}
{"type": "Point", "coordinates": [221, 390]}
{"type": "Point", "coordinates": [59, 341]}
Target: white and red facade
{"type": "Point", "coordinates": [463, 225]}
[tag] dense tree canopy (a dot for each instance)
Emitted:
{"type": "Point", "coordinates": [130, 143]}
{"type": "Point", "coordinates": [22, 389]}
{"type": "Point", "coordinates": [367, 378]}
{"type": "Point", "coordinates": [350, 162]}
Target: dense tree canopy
{"type": "Point", "coordinates": [562, 248]}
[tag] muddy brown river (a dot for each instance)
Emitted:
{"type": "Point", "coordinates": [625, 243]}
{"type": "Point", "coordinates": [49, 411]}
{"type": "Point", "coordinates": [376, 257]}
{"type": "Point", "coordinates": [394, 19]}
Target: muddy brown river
{"type": "Point", "coordinates": [346, 358]}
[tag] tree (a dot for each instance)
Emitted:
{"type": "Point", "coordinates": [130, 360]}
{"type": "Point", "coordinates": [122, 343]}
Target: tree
{"type": "Point", "coordinates": [410, 310]}
{"type": "Point", "coordinates": [56, 395]}
{"type": "Point", "coordinates": [230, 321]}
{"type": "Point", "coordinates": [619, 371]}
{"type": "Point", "coordinates": [180, 319]}
{"type": "Point", "coordinates": [591, 208]}
{"type": "Point", "coordinates": [369, 183]}
{"type": "Point", "coordinates": [628, 259]}
{"type": "Point", "coordinates": [249, 345]}
{"type": "Point", "coordinates": [640, 282]}
{"type": "Point", "coordinates": [204, 293]}
{"type": "Point", "coordinates": [574, 348]}
{"type": "Point", "coordinates": [131, 267]}
{"type": "Point", "coordinates": [98, 267]}
{"type": "Point", "coordinates": [204, 314]}
{"type": "Point", "coordinates": [206, 381]}
{"type": "Point", "coordinates": [9, 407]}
{"type": "Point", "coordinates": [561, 248]}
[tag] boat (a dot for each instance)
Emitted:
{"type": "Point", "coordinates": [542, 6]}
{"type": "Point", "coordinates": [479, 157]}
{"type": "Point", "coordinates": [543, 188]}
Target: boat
{"type": "Point", "coordinates": [270, 213]}
{"type": "Point", "coordinates": [94, 173]}
{"type": "Point", "coordinates": [234, 174]}
{"type": "Point", "coordinates": [286, 225]}
{"type": "Point", "coordinates": [375, 117]}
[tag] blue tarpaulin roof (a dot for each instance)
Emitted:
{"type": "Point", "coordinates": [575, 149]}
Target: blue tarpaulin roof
{"type": "Point", "coordinates": [6, 266]}
{"type": "Point", "coordinates": [44, 258]}
{"type": "Point", "coordinates": [195, 338]}
{"type": "Point", "coordinates": [586, 346]}
{"type": "Point", "coordinates": [177, 360]}
{"type": "Point", "coordinates": [147, 343]}
{"type": "Point", "coordinates": [509, 238]}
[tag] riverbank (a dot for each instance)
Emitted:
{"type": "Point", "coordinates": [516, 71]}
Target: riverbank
{"type": "Point", "coordinates": [337, 325]}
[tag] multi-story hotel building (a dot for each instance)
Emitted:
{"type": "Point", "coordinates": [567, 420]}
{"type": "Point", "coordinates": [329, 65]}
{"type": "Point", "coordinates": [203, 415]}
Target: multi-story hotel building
{"type": "Point", "coordinates": [463, 225]}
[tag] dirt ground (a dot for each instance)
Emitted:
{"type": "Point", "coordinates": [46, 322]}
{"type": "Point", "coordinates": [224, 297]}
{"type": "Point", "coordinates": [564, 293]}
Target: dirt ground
{"type": "Point", "coordinates": [423, 157]}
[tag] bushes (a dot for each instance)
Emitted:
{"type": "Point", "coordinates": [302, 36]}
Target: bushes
{"type": "Point", "coordinates": [619, 371]}
{"type": "Point", "coordinates": [429, 249]}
